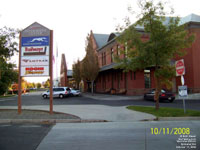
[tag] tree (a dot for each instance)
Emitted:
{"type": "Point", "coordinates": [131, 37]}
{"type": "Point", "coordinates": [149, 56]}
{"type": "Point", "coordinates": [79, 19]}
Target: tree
{"type": "Point", "coordinates": [166, 40]}
{"type": "Point", "coordinates": [90, 66]}
{"type": "Point", "coordinates": [47, 83]}
{"type": "Point", "coordinates": [76, 67]}
{"type": "Point", "coordinates": [39, 85]}
{"type": "Point", "coordinates": [8, 47]}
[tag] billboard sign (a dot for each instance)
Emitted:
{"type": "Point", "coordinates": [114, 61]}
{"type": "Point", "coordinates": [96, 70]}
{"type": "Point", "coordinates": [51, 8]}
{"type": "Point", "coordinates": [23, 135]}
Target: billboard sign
{"type": "Point", "coordinates": [35, 51]}
{"type": "Point", "coordinates": [32, 71]}
{"type": "Point", "coordinates": [34, 61]}
{"type": "Point", "coordinates": [35, 41]}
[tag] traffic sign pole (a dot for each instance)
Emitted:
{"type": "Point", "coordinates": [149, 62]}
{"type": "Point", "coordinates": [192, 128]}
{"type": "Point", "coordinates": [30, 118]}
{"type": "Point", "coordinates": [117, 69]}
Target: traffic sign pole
{"type": "Point", "coordinates": [51, 73]}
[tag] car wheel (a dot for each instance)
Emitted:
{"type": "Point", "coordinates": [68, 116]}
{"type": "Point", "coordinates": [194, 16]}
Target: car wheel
{"type": "Point", "coordinates": [45, 96]}
{"type": "Point", "coordinates": [171, 100]}
{"type": "Point", "coordinates": [61, 96]}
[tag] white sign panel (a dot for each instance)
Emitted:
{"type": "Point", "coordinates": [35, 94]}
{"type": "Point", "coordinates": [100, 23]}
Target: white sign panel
{"type": "Point", "coordinates": [182, 91]}
{"type": "Point", "coordinates": [35, 50]}
{"type": "Point", "coordinates": [33, 71]}
{"type": "Point", "coordinates": [35, 61]}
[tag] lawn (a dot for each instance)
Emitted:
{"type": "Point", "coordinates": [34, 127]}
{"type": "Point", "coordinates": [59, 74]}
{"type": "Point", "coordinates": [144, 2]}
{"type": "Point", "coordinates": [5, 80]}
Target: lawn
{"type": "Point", "coordinates": [9, 95]}
{"type": "Point", "coordinates": [165, 112]}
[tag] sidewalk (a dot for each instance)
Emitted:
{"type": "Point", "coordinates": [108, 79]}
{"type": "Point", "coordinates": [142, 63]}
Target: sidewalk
{"type": "Point", "coordinates": [97, 96]}
{"type": "Point", "coordinates": [90, 113]}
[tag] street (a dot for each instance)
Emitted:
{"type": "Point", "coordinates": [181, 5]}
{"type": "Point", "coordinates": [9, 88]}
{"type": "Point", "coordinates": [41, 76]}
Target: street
{"type": "Point", "coordinates": [22, 136]}
{"type": "Point", "coordinates": [36, 99]}
{"type": "Point", "coordinates": [124, 131]}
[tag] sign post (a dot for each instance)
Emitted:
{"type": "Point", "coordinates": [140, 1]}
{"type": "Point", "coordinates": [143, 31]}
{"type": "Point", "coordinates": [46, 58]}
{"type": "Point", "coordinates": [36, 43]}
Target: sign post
{"type": "Point", "coordinates": [180, 71]}
{"type": "Point", "coordinates": [35, 56]}
{"type": "Point", "coordinates": [182, 92]}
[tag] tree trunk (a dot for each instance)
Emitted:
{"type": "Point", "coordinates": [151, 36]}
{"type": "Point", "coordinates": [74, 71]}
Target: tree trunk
{"type": "Point", "coordinates": [157, 92]}
{"type": "Point", "coordinates": [77, 85]}
{"type": "Point", "coordinates": [92, 86]}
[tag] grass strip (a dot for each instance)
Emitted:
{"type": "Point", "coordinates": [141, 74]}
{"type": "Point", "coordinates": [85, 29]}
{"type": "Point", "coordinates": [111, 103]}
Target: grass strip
{"type": "Point", "coordinates": [165, 111]}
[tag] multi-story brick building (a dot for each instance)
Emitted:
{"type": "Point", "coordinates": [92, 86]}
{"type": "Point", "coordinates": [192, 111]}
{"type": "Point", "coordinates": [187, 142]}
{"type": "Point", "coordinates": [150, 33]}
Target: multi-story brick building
{"type": "Point", "coordinates": [111, 80]}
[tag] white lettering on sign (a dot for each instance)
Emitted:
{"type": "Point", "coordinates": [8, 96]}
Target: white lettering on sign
{"type": "Point", "coordinates": [35, 50]}
{"type": "Point", "coordinates": [180, 68]}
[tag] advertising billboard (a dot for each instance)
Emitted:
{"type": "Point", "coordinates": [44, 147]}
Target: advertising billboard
{"type": "Point", "coordinates": [35, 51]}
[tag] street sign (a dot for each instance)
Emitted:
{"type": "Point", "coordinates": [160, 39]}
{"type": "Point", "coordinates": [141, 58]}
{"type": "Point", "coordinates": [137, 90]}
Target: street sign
{"type": "Point", "coordinates": [180, 67]}
{"type": "Point", "coordinates": [35, 53]}
{"type": "Point", "coordinates": [182, 91]}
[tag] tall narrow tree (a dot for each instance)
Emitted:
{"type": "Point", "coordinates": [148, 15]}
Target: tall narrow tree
{"type": "Point", "coordinates": [166, 40]}
{"type": "Point", "coordinates": [76, 67]}
{"type": "Point", "coordinates": [90, 66]}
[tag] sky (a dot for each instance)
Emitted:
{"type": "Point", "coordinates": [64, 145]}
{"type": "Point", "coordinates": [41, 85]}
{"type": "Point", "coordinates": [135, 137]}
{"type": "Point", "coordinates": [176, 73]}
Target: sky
{"type": "Point", "coordinates": [72, 20]}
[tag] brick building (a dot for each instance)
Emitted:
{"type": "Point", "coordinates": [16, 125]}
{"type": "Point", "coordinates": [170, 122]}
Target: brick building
{"type": "Point", "coordinates": [112, 80]}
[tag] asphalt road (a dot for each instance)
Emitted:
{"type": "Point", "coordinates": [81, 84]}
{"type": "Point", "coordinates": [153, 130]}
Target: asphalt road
{"type": "Point", "coordinates": [36, 99]}
{"type": "Point", "coordinates": [22, 136]}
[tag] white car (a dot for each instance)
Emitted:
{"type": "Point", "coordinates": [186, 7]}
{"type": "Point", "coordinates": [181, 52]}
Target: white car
{"type": "Point", "coordinates": [75, 92]}
{"type": "Point", "coordinates": [60, 92]}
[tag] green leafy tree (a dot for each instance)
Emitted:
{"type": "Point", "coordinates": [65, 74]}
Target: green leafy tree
{"type": "Point", "coordinates": [8, 47]}
{"type": "Point", "coordinates": [76, 67]}
{"type": "Point", "coordinates": [166, 40]}
{"type": "Point", "coordinates": [90, 66]}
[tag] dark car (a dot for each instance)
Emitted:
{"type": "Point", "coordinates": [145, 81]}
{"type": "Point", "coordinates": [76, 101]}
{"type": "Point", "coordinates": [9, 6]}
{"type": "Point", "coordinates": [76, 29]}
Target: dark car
{"type": "Point", "coordinates": [164, 95]}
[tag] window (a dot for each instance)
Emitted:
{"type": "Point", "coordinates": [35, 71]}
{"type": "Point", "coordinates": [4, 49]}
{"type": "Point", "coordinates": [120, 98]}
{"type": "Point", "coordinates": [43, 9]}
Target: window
{"type": "Point", "coordinates": [147, 78]}
{"type": "Point", "coordinates": [118, 50]}
{"type": "Point", "coordinates": [112, 55]}
{"type": "Point", "coordinates": [102, 58]}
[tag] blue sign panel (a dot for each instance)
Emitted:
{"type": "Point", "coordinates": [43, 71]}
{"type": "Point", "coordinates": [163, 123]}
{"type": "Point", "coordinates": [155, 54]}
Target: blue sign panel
{"type": "Point", "coordinates": [35, 41]}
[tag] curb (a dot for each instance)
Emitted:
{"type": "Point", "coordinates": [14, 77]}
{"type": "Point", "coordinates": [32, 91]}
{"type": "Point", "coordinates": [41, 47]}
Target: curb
{"type": "Point", "coordinates": [51, 121]}
{"type": "Point", "coordinates": [178, 118]}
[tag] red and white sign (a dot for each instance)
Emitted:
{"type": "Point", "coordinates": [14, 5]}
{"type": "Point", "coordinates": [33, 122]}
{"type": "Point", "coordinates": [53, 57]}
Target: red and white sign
{"type": "Point", "coordinates": [35, 50]}
{"type": "Point", "coordinates": [180, 67]}
{"type": "Point", "coordinates": [35, 61]}
{"type": "Point", "coordinates": [32, 71]}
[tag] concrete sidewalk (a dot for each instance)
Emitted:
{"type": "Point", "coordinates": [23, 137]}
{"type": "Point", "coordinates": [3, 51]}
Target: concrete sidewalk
{"type": "Point", "coordinates": [97, 96]}
{"type": "Point", "coordinates": [94, 112]}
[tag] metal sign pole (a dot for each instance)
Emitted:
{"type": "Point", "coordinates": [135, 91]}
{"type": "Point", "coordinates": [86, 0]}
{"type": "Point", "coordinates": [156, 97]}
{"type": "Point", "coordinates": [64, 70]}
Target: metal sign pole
{"type": "Point", "coordinates": [51, 73]}
{"type": "Point", "coordinates": [184, 106]}
{"type": "Point", "coordinates": [183, 82]}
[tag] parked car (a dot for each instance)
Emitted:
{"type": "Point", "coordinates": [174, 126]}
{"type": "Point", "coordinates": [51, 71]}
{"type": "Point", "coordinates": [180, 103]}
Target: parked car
{"type": "Point", "coordinates": [164, 95]}
{"type": "Point", "coordinates": [60, 92]}
{"type": "Point", "coordinates": [75, 92]}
